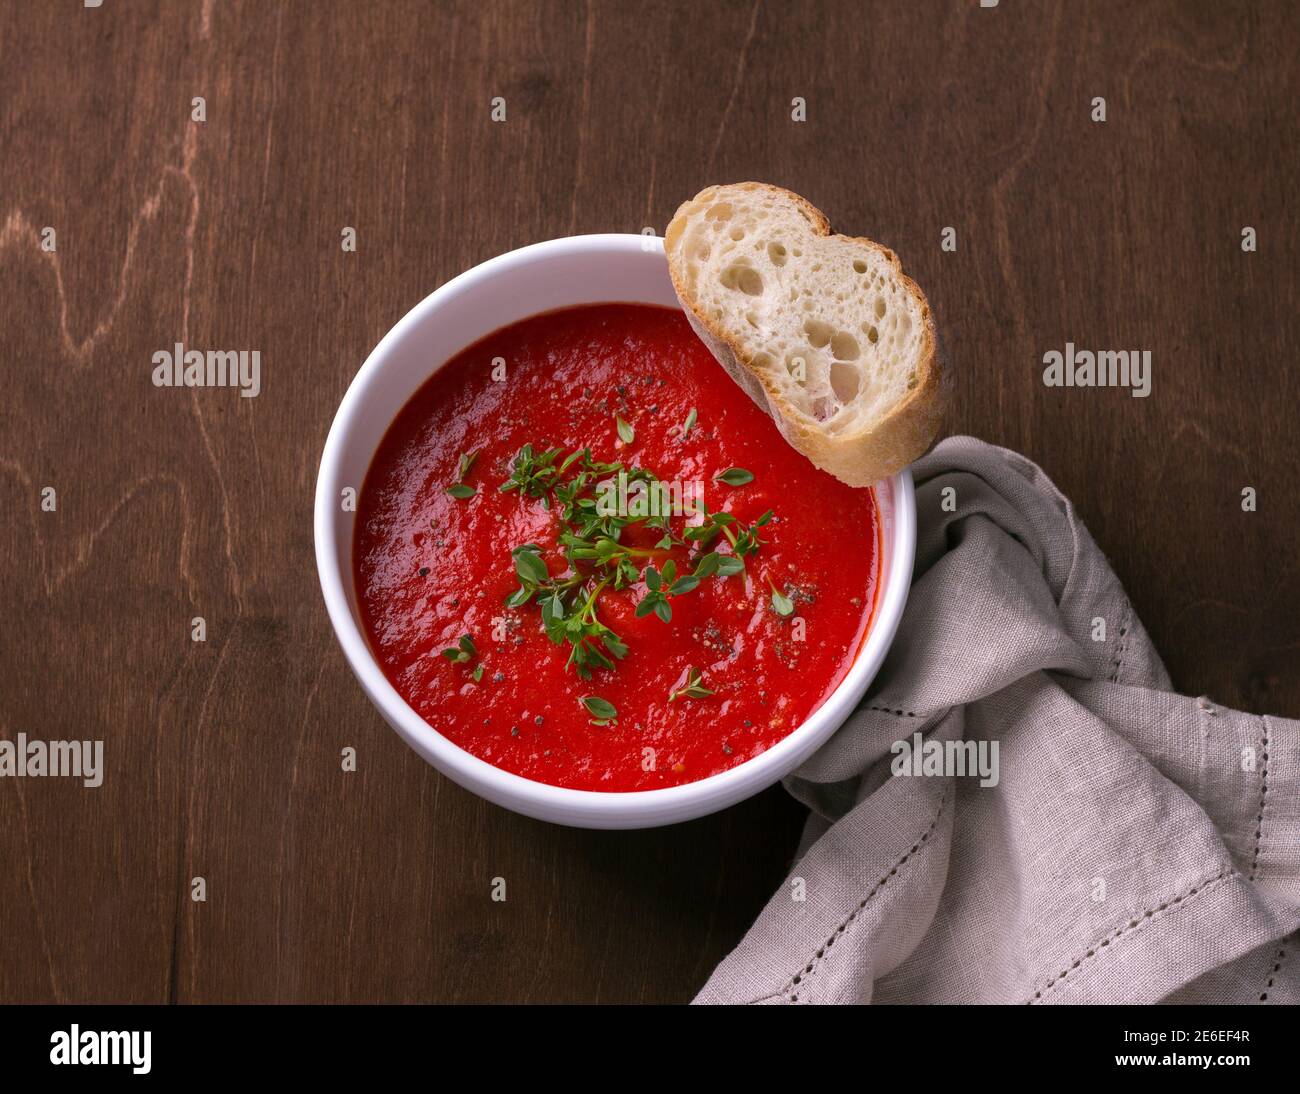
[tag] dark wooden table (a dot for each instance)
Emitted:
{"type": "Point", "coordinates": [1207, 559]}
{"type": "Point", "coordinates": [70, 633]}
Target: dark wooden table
{"type": "Point", "coordinates": [223, 757]}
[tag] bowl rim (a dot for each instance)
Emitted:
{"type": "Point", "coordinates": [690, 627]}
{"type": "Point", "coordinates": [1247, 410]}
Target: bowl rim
{"type": "Point", "coordinates": [637, 808]}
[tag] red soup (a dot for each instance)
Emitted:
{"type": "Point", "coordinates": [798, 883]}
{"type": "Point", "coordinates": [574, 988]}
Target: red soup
{"type": "Point", "coordinates": [584, 556]}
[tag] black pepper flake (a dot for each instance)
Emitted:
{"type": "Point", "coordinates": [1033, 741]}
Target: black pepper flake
{"type": "Point", "coordinates": [538, 720]}
{"type": "Point", "coordinates": [514, 731]}
{"type": "Point", "coordinates": [424, 571]}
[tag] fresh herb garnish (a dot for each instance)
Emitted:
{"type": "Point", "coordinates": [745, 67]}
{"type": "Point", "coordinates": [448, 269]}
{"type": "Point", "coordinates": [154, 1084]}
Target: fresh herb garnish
{"type": "Point", "coordinates": [458, 489]}
{"type": "Point", "coordinates": [598, 561]}
{"type": "Point", "coordinates": [735, 476]}
{"type": "Point", "coordinates": [709, 529]}
{"type": "Point", "coordinates": [568, 611]}
{"type": "Point", "coordinates": [529, 565]}
{"type": "Point", "coordinates": [781, 604]}
{"type": "Point", "coordinates": [747, 541]}
{"type": "Point", "coordinates": [577, 624]}
{"type": "Point", "coordinates": [690, 424]}
{"type": "Point", "coordinates": [720, 565]}
{"type": "Point", "coordinates": [656, 597]}
{"type": "Point", "coordinates": [744, 540]}
{"type": "Point", "coordinates": [466, 462]}
{"type": "Point", "coordinates": [694, 688]}
{"type": "Point", "coordinates": [604, 711]}
{"type": "Point", "coordinates": [533, 473]}
{"type": "Point", "coordinates": [461, 653]}
{"type": "Point", "coordinates": [626, 433]}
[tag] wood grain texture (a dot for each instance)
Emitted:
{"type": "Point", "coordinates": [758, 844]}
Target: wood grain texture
{"type": "Point", "coordinates": [223, 758]}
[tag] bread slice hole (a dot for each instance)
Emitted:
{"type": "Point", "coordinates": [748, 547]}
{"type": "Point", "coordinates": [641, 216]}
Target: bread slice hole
{"type": "Point", "coordinates": [844, 347]}
{"type": "Point", "coordinates": [745, 278]}
{"type": "Point", "coordinates": [859, 266]}
{"type": "Point", "coordinates": [776, 254]}
{"type": "Point", "coordinates": [880, 307]}
{"type": "Point", "coordinates": [819, 333]}
{"type": "Point", "coordinates": [844, 382]}
{"type": "Point", "coordinates": [737, 234]}
{"type": "Point", "coordinates": [824, 408]}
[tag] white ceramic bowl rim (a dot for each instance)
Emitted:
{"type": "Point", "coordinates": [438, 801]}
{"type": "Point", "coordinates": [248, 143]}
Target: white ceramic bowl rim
{"type": "Point", "coordinates": [588, 807]}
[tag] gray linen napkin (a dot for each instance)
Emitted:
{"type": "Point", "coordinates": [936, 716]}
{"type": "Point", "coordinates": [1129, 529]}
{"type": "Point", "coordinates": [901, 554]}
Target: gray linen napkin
{"type": "Point", "coordinates": [1138, 845]}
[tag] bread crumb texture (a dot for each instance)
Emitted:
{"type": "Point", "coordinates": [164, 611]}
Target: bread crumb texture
{"type": "Point", "coordinates": [839, 338]}
{"type": "Point", "coordinates": [828, 309]}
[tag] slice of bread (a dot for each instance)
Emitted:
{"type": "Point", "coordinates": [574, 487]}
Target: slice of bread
{"type": "Point", "coordinates": [825, 332]}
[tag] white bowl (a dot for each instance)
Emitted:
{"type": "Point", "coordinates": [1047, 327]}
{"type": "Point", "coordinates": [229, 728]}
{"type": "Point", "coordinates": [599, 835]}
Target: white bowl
{"type": "Point", "coordinates": [545, 276]}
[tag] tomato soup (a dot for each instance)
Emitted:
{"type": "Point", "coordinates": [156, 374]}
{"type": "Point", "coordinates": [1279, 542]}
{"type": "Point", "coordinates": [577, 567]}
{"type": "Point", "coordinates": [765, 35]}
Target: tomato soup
{"type": "Point", "coordinates": [583, 555]}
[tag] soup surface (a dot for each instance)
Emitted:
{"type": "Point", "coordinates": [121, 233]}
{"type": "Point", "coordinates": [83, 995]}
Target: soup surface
{"type": "Point", "coordinates": [585, 556]}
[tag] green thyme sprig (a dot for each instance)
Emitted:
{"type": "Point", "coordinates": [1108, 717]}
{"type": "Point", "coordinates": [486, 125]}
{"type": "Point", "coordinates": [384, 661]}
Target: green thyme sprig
{"type": "Point", "coordinates": [660, 585]}
{"type": "Point", "coordinates": [568, 607]}
{"type": "Point", "coordinates": [533, 473]}
{"type": "Point", "coordinates": [598, 559]}
{"type": "Point", "coordinates": [459, 489]}
{"type": "Point", "coordinates": [781, 604]}
{"type": "Point", "coordinates": [463, 653]}
{"type": "Point", "coordinates": [693, 689]}
{"type": "Point", "coordinates": [743, 539]}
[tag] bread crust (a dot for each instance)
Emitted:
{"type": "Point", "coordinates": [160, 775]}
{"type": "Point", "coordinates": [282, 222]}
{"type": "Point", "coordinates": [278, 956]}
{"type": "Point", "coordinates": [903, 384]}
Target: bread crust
{"type": "Point", "coordinates": [867, 455]}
